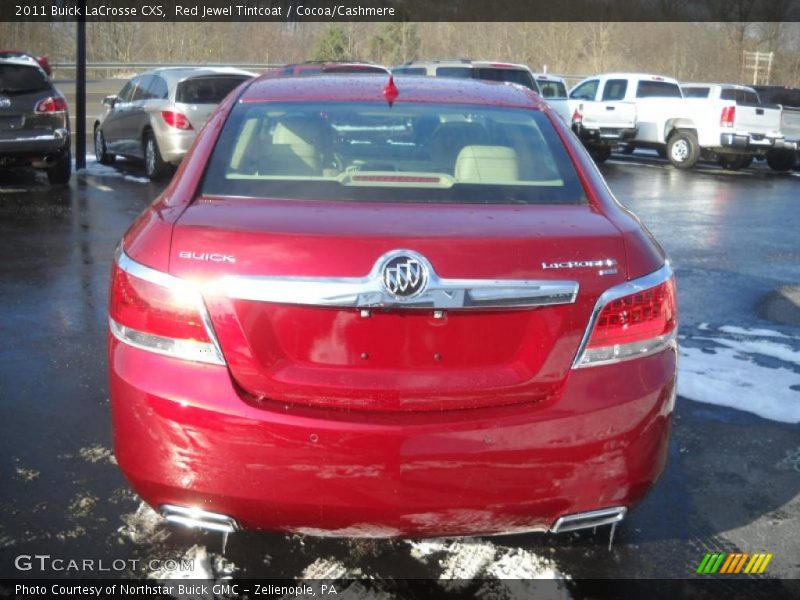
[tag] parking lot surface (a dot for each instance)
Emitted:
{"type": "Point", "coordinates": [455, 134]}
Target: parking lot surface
{"type": "Point", "coordinates": [733, 479]}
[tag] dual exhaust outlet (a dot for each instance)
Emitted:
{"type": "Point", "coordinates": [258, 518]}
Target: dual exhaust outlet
{"type": "Point", "coordinates": [211, 521]}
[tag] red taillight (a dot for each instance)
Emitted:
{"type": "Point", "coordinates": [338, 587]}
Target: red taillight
{"type": "Point", "coordinates": [637, 324]}
{"type": "Point", "coordinates": [168, 319]}
{"type": "Point", "coordinates": [52, 105]}
{"type": "Point", "coordinates": [155, 309]}
{"type": "Point", "coordinates": [640, 316]}
{"type": "Point", "coordinates": [728, 116]}
{"type": "Point", "coordinates": [577, 116]}
{"type": "Point", "coordinates": [176, 119]}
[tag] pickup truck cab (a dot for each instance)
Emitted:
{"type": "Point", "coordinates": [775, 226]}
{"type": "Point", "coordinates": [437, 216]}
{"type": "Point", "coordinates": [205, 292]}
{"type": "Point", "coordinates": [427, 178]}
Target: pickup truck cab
{"type": "Point", "coordinates": [754, 126]}
{"type": "Point", "coordinates": [603, 116]}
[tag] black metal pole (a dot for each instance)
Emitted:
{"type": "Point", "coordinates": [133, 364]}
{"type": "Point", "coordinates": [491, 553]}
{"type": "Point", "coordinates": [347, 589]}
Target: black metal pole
{"type": "Point", "coordinates": [80, 92]}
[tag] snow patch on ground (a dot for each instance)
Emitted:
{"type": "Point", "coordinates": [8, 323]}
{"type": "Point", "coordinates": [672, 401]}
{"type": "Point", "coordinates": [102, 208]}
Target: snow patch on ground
{"type": "Point", "coordinates": [728, 371]}
{"type": "Point", "coordinates": [95, 169]}
{"type": "Point", "coordinates": [143, 526]}
{"type": "Point", "coordinates": [734, 330]}
{"type": "Point", "coordinates": [204, 565]}
{"type": "Point", "coordinates": [461, 561]}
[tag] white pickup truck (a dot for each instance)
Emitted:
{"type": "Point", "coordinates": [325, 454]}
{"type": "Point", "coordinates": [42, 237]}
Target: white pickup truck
{"type": "Point", "coordinates": [755, 114]}
{"type": "Point", "coordinates": [681, 128]}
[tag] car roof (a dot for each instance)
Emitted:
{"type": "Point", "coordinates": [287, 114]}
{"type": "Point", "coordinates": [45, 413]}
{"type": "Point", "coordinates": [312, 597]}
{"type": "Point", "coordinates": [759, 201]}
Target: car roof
{"type": "Point", "coordinates": [730, 86]}
{"type": "Point", "coordinates": [176, 74]}
{"type": "Point", "coordinates": [23, 61]}
{"type": "Point", "coordinates": [369, 88]}
{"type": "Point", "coordinates": [463, 62]}
{"type": "Point", "coordinates": [647, 76]}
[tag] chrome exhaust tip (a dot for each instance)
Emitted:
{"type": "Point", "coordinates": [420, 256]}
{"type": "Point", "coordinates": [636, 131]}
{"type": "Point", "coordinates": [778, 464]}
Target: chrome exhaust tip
{"type": "Point", "coordinates": [590, 519]}
{"type": "Point", "coordinates": [198, 519]}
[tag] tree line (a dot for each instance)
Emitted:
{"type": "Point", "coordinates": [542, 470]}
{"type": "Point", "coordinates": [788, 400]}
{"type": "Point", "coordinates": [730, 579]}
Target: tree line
{"type": "Point", "coordinates": [687, 51]}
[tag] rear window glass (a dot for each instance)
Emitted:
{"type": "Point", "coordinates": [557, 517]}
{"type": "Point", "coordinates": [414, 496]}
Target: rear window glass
{"type": "Point", "coordinates": [696, 92]}
{"type": "Point", "coordinates": [507, 75]}
{"type": "Point", "coordinates": [374, 152]}
{"type": "Point", "coordinates": [552, 89]}
{"type": "Point", "coordinates": [207, 90]}
{"type": "Point", "coordinates": [785, 97]}
{"type": "Point", "coordinates": [615, 89]}
{"type": "Point", "coordinates": [658, 89]}
{"type": "Point", "coordinates": [19, 79]}
{"type": "Point", "coordinates": [738, 95]}
{"type": "Point", "coordinates": [410, 71]}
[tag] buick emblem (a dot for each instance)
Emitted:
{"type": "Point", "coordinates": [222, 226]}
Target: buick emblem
{"type": "Point", "coordinates": [404, 276]}
{"type": "Point", "coordinates": [5, 102]}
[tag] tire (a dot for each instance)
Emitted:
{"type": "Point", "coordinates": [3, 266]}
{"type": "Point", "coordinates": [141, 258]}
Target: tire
{"type": "Point", "coordinates": [781, 160]}
{"type": "Point", "coordinates": [683, 150]}
{"type": "Point", "coordinates": [154, 165]}
{"type": "Point", "coordinates": [101, 149]}
{"type": "Point", "coordinates": [61, 171]}
{"type": "Point", "coordinates": [599, 154]}
{"type": "Point", "coordinates": [734, 162]}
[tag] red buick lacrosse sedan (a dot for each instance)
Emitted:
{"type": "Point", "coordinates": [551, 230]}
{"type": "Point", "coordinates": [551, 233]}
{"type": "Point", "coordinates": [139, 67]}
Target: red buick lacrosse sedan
{"type": "Point", "coordinates": [390, 308]}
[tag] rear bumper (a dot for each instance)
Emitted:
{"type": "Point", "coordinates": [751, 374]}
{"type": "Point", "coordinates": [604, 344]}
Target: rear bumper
{"type": "Point", "coordinates": [173, 143]}
{"type": "Point", "coordinates": [30, 146]}
{"type": "Point", "coordinates": [604, 134]}
{"type": "Point", "coordinates": [184, 436]}
{"type": "Point", "coordinates": [745, 141]}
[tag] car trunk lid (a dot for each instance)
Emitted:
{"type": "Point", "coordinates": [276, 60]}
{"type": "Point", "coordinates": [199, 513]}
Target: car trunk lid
{"type": "Point", "coordinates": [263, 262]}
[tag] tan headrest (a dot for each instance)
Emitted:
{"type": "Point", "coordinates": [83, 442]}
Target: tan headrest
{"type": "Point", "coordinates": [299, 130]}
{"type": "Point", "coordinates": [487, 164]}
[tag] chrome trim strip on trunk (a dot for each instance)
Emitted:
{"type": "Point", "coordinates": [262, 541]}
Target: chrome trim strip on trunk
{"type": "Point", "coordinates": [615, 293]}
{"type": "Point", "coordinates": [370, 291]}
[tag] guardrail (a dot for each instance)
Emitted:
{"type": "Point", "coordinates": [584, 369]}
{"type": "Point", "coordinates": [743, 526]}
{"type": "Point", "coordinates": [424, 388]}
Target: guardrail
{"type": "Point", "coordinates": [125, 68]}
{"type": "Point", "coordinates": [111, 68]}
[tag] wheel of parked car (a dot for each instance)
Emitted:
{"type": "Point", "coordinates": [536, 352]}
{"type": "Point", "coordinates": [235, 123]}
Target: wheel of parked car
{"type": "Point", "coordinates": [734, 162]}
{"type": "Point", "coordinates": [599, 153]}
{"type": "Point", "coordinates": [100, 148]}
{"type": "Point", "coordinates": [154, 165]}
{"type": "Point", "coordinates": [781, 160]}
{"type": "Point", "coordinates": [61, 171]}
{"type": "Point", "coordinates": [683, 150]}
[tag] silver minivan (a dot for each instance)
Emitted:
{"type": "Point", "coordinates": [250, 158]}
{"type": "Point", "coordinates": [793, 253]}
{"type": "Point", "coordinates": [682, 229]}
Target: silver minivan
{"type": "Point", "coordinates": [156, 115]}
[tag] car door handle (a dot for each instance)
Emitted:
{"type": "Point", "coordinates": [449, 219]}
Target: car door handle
{"type": "Point", "coordinates": [611, 108]}
{"type": "Point", "coordinates": [759, 111]}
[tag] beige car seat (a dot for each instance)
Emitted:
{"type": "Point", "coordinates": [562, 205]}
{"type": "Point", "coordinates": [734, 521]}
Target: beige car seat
{"type": "Point", "coordinates": [487, 164]}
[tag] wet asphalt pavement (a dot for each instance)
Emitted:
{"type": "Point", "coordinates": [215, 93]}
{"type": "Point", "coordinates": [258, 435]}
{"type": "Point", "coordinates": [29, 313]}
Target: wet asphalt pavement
{"type": "Point", "coordinates": [732, 483]}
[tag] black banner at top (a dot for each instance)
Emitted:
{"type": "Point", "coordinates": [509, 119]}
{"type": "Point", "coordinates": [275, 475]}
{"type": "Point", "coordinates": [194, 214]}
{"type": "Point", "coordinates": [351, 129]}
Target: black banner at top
{"type": "Point", "coordinates": [400, 10]}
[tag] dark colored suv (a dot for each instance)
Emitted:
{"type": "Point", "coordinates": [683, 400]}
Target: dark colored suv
{"type": "Point", "coordinates": [34, 124]}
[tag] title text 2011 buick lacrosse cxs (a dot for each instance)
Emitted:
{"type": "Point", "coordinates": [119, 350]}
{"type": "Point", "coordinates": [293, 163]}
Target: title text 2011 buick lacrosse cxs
{"type": "Point", "coordinates": [363, 308]}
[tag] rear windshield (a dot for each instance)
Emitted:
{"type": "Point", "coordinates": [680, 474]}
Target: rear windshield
{"type": "Point", "coordinates": [410, 71]}
{"type": "Point", "coordinates": [400, 153]}
{"type": "Point", "coordinates": [552, 89]}
{"type": "Point", "coordinates": [696, 92]}
{"type": "Point", "coordinates": [658, 89]}
{"type": "Point", "coordinates": [739, 95]}
{"type": "Point", "coordinates": [519, 76]}
{"type": "Point", "coordinates": [19, 79]}
{"type": "Point", "coordinates": [207, 90]}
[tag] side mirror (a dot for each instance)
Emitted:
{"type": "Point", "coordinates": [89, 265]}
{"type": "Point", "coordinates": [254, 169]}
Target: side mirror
{"type": "Point", "coordinates": [110, 101]}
